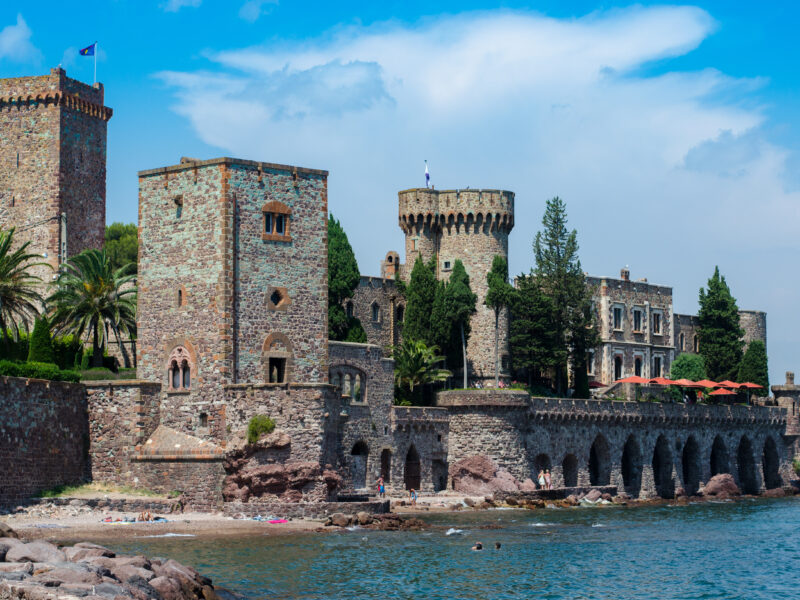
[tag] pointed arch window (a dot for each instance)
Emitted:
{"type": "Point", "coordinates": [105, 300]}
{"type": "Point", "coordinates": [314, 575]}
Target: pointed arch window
{"type": "Point", "coordinates": [180, 369]}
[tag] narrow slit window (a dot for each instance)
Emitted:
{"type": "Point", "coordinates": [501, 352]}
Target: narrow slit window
{"type": "Point", "coordinates": [178, 207]}
{"type": "Point", "coordinates": [280, 224]}
{"type": "Point", "coordinates": [267, 222]}
{"type": "Point", "coordinates": [187, 374]}
{"type": "Point", "coordinates": [176, 375]}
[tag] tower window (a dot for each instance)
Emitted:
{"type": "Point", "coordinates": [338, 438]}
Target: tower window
{"type": "Point", "coordinates": [376, 313]}
{"type": "Point", "coordinates": [276, 220]}
{"type": "Point", "coordinates": [280, 223]}
{"type": "Point", "coordinates": [268, 222]}
{"type": "Point", "coordinates": [203, 419]}
{"type": "Point", "coordinates": [276, 297]}
{"type": "Point", "coordinates": [178, 207]}
{"type": "Point", "coordinates": [277, 370]}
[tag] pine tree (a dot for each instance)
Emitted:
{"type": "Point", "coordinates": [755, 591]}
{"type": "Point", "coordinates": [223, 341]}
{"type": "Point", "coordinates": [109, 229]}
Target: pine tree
{"type": "Point", "coordinates": [40, 346]}
{"type": "Point", "coordinates": [754, 366]}
{"type": "Point", "coordinates": [532, 336]}
{"type": "Point", "coordinates": [720, 334]}
{"type": "Point", "coordinates": [420, 297]}
{"type": "Point", "coordinates": [459, 302]}
{"type": "Point", "coordinates": [343, 278]}
{"type": "Point", "coordinates": [498, 297]}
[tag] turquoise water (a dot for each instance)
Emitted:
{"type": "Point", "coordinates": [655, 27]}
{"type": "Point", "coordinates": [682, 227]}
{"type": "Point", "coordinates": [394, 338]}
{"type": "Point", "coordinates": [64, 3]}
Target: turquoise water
{"type": "Point", "coordinates": [747, 550]}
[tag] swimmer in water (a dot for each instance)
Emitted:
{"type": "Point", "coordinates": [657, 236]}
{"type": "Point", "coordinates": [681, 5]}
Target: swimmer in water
{"type": "Point", "coordinates": [477, 546]}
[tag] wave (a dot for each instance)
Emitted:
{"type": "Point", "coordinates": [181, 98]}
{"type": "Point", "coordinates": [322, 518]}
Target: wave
{"type": "Point", "coordinates": [453, 530]}
{"type": "Point", "coordinates": [169, 535]}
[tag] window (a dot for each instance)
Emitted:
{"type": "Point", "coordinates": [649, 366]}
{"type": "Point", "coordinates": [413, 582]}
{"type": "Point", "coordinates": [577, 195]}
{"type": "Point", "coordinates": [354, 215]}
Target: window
{"type": "Point", "coordinates": [618, 317]}
{"type": "Point", "coordinates": [637, 319]}
{"type": "Point", "coordinates": [179, 368]}
{"type": "Point", "coordinates": [349, 310]}
{"type": "Point", "coordinates": [637, 366]}
{"type": "Point", "coordinates": [414, 244]}
{"type": "Point", "coordinates": [695, 344]}
{"type": "Point", "coordinates": [276, 220]}
{"type": "Point", "coordinates": [446, 266]}
{"type": "Point", "coordinates": [276, 358]}
{"type": "Point", "coordinates": [178, 207]}
{"type": "Point", "coordinates": [657, 325]}
{"type": "Point", "coordinates": [203, 419]}
{"type": "Point", "coordinates": [617, 367]}
{"type": "Point", "coordinates": [590, 362]}
{"type": "Point", "coordinates": [176, 375]}
{"type": "Point", "coordinates": [277, 370]}
{"type": "Point", "coordinates": [180, 297]}
{"type": "Point", "coordinates": [681, 342]}
{"type": "Point", "coordinates": [504, 362]}
{"type": "Point", "coordinates": [401, 313]}
{"type": "Point", "coordinates": [275, 297]}
{"type": "Point", "coordinates": [376, 313]}
{"type": "Point", "coordinates": [656, 366]}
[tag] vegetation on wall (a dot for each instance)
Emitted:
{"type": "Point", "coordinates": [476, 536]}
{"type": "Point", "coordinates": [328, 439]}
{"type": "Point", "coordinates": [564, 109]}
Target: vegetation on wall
{"type": "Point", "coordinates": [343, 278]}
{"type": "Point", "coordinates": [688, 366]}
{"type": "Point", "coordinates": [720, 334]}
{"type": "Point", "coordinates": [258, 426]}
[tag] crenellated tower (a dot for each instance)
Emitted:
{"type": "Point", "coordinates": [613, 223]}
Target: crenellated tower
{"type": "Point", "coordinates": [473, 226]}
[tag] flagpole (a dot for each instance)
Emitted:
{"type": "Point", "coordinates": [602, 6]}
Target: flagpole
{"type": "Point", "coordinates": [95, 62]}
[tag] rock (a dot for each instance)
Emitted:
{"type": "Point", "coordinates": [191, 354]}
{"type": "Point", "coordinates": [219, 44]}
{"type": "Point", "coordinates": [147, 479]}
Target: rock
{"type": "Point", "coordinates": [57, 576]}
{"type": "Point", "coordinates": [571, 500]}
{"type": "Point", "coordinates": [27, 567]}
{"type": "Point", "coordinates": [527, 486]}
{"type": "Point", "coordinates": [11, 542]}
{"type": "Point", "coordinates": [511, 501]}
{"type": "Point", "coordinates": [722, 483]}
{"type": "Point", "coordinates": [469, 502]}
{"type": "Point", "coordinates": [339, 520]}
{"type": "Point", "coordinates": [593, 496]}
{"type": "Point", "coordinates": [169, 588]}
{"type": "Point", "coordinates": [35, 552]}
{"type": "Point", "coordinates": [679, 491]}
{"type": "Point", "coordinates": [607, 497]}
{"type": "Point", "coordinates": [479, 475]}
{"type": "Point", "coordinates": [13, 576]}
{"type": "Point", "coordinates": [774, 493]}
{"type": "Point", "coordinates": [7, 532]}
{"type": "Point", "coordinates": [126, 572]}
{"type": "Point", "coordinates": [364, 518]}
{"type": "Point", "coordinates": [75, 554]}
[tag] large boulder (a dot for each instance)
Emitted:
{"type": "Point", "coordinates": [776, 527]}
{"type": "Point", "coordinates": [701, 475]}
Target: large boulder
{"type": "Point", "coordinates": [37, 552]}
{"type": "Point", "coordinates": [527, 486]}
{"type": "Point", "coordinates": [721, 484]}
{"type": "Point", "coordinates": [775, 493]}
{"type": "Point", "coordinates": [169, 588]}
{"type": "Point", "coordinates": [593, 496]}
{"type": "Point", "coordinates": [479, 475]}
{"type": "Point", "coordinates": [7, 532]}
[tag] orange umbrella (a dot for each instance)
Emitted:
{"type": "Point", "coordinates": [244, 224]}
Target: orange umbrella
{"type": "Point", "coordinates": [750, 385]}
{"type": "Point", "coordinates": [729, 384]}
{"type": "Point", "coordinates": [633, 379]}
{"type": "Point", "coordinates": [722, 392]}
{"type": "Point", "coordinates": [687, 383]}
{"type": "Point", "coordinates": [707, 384]}
{"type": "Point", "coordinates": [661, 381]}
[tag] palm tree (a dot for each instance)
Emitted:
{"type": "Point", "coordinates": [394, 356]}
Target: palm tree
{"type": "Point", "coordinates": [91, 296]}
{"type": "Point", "coordinates": [416, 364]}
{"type": "Point", "coordinates": [20, 300]}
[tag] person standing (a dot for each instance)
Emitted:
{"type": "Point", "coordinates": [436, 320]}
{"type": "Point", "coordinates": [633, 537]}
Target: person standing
{"type": "Point", "coordinates": [381, 488]}
{"type": "Point", "coordinates": [540, 479]}
{"type": "Point", "coordinates": [548, 481]}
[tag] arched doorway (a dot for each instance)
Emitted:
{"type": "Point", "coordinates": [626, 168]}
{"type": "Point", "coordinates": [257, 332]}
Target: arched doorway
{"type": "Point", "coordinates": [720, 462]}
{"type": "Point", "coordinates": [632, 467]}
{"type": "Point", "coordinates": [770, 462]}
{"type": "Point", "coordinates": [569, 469]}
{"type": "Point", "coordinates": [540, 463]}
{"type": "Point", "coordinates": [599, 461]}
{"type": "Point", "coordinates": [690, 461]}
{"type": "Point", "coordinates": [358, 472]}
{"type": "Point", "coordinates": [386, 465]}
{"type": "Point", "coordinates": [746, 463]}
{"type": "Point", "coordinates": [411, 474]}
{"type": "Point", "coordinates": [662, 468]}
{"type": "Point", "coordinates": [439, 475]}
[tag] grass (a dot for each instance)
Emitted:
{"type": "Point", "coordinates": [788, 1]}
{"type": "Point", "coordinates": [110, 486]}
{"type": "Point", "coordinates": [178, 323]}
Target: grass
{"type": "Point", "coordinates": [102, 374]}
{"type": "Point", "coordinates": [95, 489]}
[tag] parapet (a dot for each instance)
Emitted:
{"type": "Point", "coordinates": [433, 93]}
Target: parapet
{"type": "Point", "coordinates": [493, 209]}
{"type": "Point", "coordinates": [55, 89]}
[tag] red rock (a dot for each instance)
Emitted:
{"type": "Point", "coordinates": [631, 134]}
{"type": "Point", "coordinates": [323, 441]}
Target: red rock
{"type": "Point", "coordinates": [527, 486]}
{"type": "Point", "coordinates": [722, 483]}
{"type": "Point", "coordinates": [593, 496]}
{"type": "Point", "coordinates": [774, 493]}
{"type": "Point", "coordinates": [35, 552]}
{"type": "Point", "coordinates": [169, 588]}
{"type": "Point", "coordinates": [478, 475]}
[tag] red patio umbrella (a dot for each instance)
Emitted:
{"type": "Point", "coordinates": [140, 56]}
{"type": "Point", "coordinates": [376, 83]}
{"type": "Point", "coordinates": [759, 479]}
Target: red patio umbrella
{"type": "Point", "coordinates": [687, 383]}
{"type": "Point", "coordinates": [633, 379]}
{"type": "Point", "coordinates": [596, 384]}
{"type": "Point", "coordinates": [729, 384]}
{"type": "Point", "coordinates": [707, 383]}
{"type": "Point", "coordinates": [722, 392]}
{"type": "Point", "coordinates": [661, 381]}
{"type": "Point", "coordinates": [752, 386]}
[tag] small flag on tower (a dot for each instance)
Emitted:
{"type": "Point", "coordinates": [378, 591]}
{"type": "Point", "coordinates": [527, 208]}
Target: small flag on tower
{"type": "Point", "coordinates": [88, 51]}
{"type": "Point", "coordinates": [427, 175]}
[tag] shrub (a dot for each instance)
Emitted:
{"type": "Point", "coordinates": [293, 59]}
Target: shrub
{"type": "Point", "coordinates": [796, 465]}
{"type": "Point", "coordinates": [258, 426]}
{"type": "Point", "coordinates": [109, 362]}
{"type": "Point", "coordinates": [36, 370]}
{"type": "Point", "coordinates": [97, 374]}
{"type": "Point", "coordinates": [40, 345]}
{"type": "Point", "coordinates": [67, 351]}
{"type": "Point", "coordinates": [11, 349]}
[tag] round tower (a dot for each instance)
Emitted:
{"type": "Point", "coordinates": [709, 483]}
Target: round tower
{"type": "Point", "coordinates": [473, 226]}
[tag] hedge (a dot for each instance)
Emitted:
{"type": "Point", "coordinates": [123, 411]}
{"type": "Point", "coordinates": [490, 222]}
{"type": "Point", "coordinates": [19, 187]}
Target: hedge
{"type": "Point", "coordinates": [36, 370]}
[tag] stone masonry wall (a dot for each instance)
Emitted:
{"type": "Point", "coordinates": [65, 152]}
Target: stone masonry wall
{"type": "Point", "coordinates": [44, 436]}
{"type": "Point", "coordinates": [386, 330]}
{"type": "Point", "coordinates": [664, 445]}
{"type": "Point", "coordinates": [754, 323]}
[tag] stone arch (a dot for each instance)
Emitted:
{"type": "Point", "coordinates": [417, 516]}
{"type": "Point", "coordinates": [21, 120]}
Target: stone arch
{"type": "Point", "coordinates": [386, 465]}
{"type": "Point", "coordinates": [631, 465]}
{"type": "Point", "coordinates": [599, 461]}
{"type": "Point", "coordinates": [720, 460]}
{"type": "Point", "coordinates": [746, 466]}
{"type": "Point", "coordinates": [569, 470]}
{"type": "Point", "coordinates": [412, 469]}
{"type": "Point", "coordinates": [358, 468]}
{"type": "Point", "coordinates": [277, 358]}
{"type": "Point", "coordinates": [181, 365]}
{"type": "Point", "coordinates": [690, 463]}
{"type": "Point", "coordinates": [662, 468]}
{"type": "Point", "coordinates": [770, 464]}
{"type": "Point", "coordinates": [541, 463]}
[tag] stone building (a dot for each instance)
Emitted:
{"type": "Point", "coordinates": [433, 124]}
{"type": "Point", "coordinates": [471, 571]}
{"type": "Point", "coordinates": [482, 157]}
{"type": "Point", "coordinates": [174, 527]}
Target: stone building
{"type": "Point", "coordinates": [53, 165]}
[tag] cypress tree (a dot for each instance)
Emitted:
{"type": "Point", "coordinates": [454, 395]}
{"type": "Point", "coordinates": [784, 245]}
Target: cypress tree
{"type": "Point", "coordinates": [532, 336]}
{"type": "Point", "coordinates": [754, 366]}
{"type": "Point", "coordinates": [343, 278]}
{"type": "Point", "coordinates": [420, 297]}
{"type": "Point", "coordinates": [40, 347]}
{"type": "Point", "coordinates": [498, 297]}
{"type": "Point", "coordinates": [459, 301]}
{"type": "Point", "coordinates": [720, 334]}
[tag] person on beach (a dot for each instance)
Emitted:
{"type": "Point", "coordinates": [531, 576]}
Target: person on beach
{"type": "Point", "coordinates": [548, 481]}
{"type": "Point", "coordinates": [412, 495]}
{"type": "Point", "coordinates": [381, 489]}
{"type": "Point", "coordinates": [477, 546]}
{"type": "Point", "coordinates": [541, 480]}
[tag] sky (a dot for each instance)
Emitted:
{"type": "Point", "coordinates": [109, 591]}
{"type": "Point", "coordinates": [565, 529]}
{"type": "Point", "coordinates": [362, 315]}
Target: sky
{"type": "Point", "coordinates": [672, 132]}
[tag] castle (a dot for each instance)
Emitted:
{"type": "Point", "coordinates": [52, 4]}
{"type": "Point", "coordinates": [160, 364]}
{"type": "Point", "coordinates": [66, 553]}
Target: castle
{"type": "Point", "coordinates": [232, 324]}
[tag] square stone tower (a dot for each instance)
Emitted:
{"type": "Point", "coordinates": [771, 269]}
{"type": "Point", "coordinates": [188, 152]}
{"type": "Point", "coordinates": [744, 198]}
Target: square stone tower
{"type": "Point", "coordinates": [233, 282]}
{"type": "Point", "coordinates": [53, 164]}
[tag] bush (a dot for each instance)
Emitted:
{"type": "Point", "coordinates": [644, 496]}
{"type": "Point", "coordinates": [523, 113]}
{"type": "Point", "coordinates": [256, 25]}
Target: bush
{"type": "Point", "coordinates": [796, 465]}
{"type": "Point", "coordinates": [40, 345]}
{"type": "Point", "coordinates": [258, 426]}
{"type": "Point", "coordinates": [11, 349]}
{"type": "Point", "coordinates": [67, 351]}
{"type": "Point", "coordinates": [109, 362]}
{"type": "Point", "coordinates": [36, 370]}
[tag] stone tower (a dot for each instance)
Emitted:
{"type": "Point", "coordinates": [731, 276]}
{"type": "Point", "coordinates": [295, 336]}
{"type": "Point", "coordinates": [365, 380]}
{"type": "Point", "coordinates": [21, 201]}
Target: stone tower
{"type": "Point", "coordinates": [473, 226]}
{"type": "Point", "coordinates": [53, 164]}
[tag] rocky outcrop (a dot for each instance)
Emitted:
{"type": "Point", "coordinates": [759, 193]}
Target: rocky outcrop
{"type": "Point", "coordinates": [264, 470]}
{"type": "Point", "coordinates": [721, 485]}
{"type": "Point", "coordinates": [42, 571]}
{"type": "Point", "coordinates": [479, 476]}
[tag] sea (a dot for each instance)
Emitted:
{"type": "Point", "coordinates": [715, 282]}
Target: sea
{"type": "Point", "coordinates": [747, 549]}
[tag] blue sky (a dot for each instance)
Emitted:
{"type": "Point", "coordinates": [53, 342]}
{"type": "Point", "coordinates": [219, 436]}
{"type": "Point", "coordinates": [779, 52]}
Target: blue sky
{"type": "Point", "coordinates": [671, 131]}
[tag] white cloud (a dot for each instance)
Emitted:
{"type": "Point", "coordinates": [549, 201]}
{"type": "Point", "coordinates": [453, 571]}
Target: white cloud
{"type": "Point", "coordinates": [253, 9]}
{"type": "Point", "coordinates": [15, 42]}
{"type": "Point", "coordinates": [668, 173]}
{"type": "Point", "coordinates": [176, 5]}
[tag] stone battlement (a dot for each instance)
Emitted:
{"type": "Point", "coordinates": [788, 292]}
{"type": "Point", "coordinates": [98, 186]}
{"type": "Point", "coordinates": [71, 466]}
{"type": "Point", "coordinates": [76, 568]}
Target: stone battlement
{"type": "Point", "coordinates": [493, 209]}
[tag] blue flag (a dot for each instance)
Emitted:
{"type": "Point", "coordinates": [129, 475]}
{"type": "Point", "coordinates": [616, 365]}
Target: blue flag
{"type": "Point", "coordinates": [88, 51]}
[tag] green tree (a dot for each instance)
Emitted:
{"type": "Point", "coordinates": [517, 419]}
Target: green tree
{"type": "Point", "coordinates": [720, 334]}
{"type": "Point", "coordinates": [688, 366]}
{"type": "Point", "coordinates": [122, 245]}
{"type": "Point", "coordinates": [458, 307]}
{"type": "Point", "coordinates": [416, 364]}
{"type": "Point", "coordinates": [498, 297]}
{"type": "Point", "coordinates": [560, 276]}
{"type": "Point", "coordinates": [91, 296]}
{"type": "Point", "coordinates": [40, 346]}
{"type": "Point", "coordinates": [754, 365]}
{"type": "Point", "coordinates": [582, 336]}
{"type": "Point", "coordinates": [532, 335]}
{"type": "Point", "coordinates": [19, 288]}
{"type": "Point", "coordinates": [343, 278]}
{"type": "Point", "coordinates": [420, 298]}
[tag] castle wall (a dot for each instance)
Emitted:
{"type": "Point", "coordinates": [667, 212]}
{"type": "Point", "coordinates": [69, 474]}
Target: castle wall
{"type": "Point", "coordinates": [754, 323]}
{"type": "Point", "coordinates": [384, 331]}
{"type": "Point", "coordinates": [524, 434]}
{"type": "Point", "coordinates": [44, 436]}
